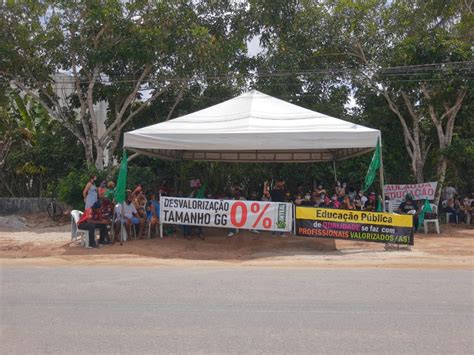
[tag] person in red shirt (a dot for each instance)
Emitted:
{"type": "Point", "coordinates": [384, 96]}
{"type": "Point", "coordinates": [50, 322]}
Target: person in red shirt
{"type": "Point", "coordinates": [92, 219]}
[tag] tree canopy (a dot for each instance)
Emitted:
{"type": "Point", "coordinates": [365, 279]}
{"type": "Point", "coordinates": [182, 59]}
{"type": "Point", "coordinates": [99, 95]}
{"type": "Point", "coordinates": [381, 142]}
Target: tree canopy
{"type": "Point", "coordinates": [90, 70]}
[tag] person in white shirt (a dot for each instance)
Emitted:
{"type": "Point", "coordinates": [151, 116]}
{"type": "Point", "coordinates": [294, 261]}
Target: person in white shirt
{"type": "Point", "coordinates": [363, 199]}
{"type": "Point", "coordinates": [130, 216]}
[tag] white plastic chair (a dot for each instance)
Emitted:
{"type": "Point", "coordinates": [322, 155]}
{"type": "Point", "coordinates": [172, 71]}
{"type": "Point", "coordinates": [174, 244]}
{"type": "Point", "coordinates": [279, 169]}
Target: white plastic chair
{"type": "Point", "coordinates": [149, 228]}
{"type": "Point", "coordinates": [435, 221]}
{"type": "Point", "coordinates": [75, 231]}
{"type": "Point", "coordinates": [123, 230]}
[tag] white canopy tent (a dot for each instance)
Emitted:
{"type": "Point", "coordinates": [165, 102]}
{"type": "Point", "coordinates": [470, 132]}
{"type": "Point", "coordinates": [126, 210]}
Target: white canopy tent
{"type": "Point", "coordinates": [254, 127]}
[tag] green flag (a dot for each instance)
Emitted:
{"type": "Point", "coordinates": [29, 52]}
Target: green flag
{"type": "Point", "coordinates": [122, 179]}
{"type": "Point", "coordinates": [426, 208]}
{"type": "Point", "coordinates": [200, 193]}
{"type": "Point", "coordinates": [373, 167]}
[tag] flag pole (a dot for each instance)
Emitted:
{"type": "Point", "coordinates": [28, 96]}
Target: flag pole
{"type": "Point", "coordinates": [382, 183]}
{"type": "Point", "coordinates": [121, 222]}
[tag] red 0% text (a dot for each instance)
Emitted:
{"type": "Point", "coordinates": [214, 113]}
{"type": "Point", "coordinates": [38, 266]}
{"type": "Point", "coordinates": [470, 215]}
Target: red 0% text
{"type": "Point", "coordinates": [239, 214]}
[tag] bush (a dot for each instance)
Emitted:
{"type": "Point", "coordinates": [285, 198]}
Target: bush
{"type": "Point", "coordinates": [71, 186]}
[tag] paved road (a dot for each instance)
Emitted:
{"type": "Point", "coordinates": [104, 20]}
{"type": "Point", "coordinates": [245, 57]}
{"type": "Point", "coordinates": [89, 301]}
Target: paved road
{"type": "Point", "coordinates": [235, 310]}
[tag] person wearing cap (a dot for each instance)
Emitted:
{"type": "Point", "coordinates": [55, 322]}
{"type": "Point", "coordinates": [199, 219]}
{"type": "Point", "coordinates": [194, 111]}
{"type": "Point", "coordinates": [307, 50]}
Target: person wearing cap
{"type": "Point", "coordinates": [91, 220]}
{"type": "Point", "coordinates": [409, 206]}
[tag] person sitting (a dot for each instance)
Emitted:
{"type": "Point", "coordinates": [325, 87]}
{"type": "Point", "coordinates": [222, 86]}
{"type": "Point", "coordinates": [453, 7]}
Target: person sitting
{"type": "Point", "coordinates": [347, 204]}
{"type": "Point", "coordinates": [288, 197]}
{"type": "Point", "coordinates": [410, 207]}
{"type": "Point", "coordinates": [352, 193]}
{"type": "Point", "coordinates": [371, 203]}
{"type": "Point", "coordinates": [130, 215]}
{"type": "Point", "coordinates": [363, 199]}
{"type": "Point", "coordinates": [335, 202]}
{"type": "Point", "coordinates": [91, 220]}
{"type": "Point", "coordinates": [254, 196]}
{"type": "Point", "coordinates": [153, 211]}
{"type": "Point", "coordinates": [326, 202]}
{"type": "Point", "coordinates": [341, 190]}
{"type": "Point", "coordinates": [198, 191]}
{"type": "Point", "coordinates": [298, 199]}
{"type": "Point", "coordinates": [451, 208]}
{"type": "Point", "coordinates": [307, 201]}
{"type": "Point", "coordinates": [320, 190]}
{"type": "Point", "coordinates": [465, 210]}
{"type": "Point", "coordinates": [316, 199]}
{"type": "Point", "coordinates": [106, 208]}
{"type": "Point", "coordinates": [140, 203]}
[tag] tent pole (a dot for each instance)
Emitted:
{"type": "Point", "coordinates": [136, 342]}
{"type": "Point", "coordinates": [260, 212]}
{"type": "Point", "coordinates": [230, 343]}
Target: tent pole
{"type": "Point", "coordinates": [381, 172]}
{"type": "Point", "coordinates": [159, 219]}
{"type": "Point", "coordinates": [334, 167]}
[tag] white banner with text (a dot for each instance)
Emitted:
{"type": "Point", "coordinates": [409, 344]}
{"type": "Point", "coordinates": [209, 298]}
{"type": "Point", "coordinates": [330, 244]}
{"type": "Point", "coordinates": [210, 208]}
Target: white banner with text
{"type": "Point", "coordinates": [423, 191]}
{"type": "Point", "coordinates": [270, 216]}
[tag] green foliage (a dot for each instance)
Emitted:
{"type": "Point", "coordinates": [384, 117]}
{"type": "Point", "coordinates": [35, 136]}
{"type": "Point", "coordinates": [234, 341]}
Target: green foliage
{"type": "Point", "coordinates": [315, 54]}
{"type": "Point", "coordinates": [69, 187]}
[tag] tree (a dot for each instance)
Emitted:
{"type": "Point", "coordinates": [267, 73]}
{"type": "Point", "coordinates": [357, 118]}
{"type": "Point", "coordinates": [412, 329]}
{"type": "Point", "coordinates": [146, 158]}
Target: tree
{"type": "Point", "coordinates": [416, 55]}
{"type": "Point", "coordinates": [126, 54]}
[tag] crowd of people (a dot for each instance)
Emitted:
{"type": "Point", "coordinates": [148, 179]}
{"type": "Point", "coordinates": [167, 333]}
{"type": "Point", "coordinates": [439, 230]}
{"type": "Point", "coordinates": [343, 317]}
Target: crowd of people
{"type": "Point", "coordinates": [102, 210]}
{"type": "Point", "coordinates": [142, 209]}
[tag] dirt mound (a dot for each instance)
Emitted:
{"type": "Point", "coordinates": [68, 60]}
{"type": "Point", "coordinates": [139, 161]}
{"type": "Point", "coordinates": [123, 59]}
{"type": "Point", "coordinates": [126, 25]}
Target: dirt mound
{"type": "Point", "coordinates": [12, 223]}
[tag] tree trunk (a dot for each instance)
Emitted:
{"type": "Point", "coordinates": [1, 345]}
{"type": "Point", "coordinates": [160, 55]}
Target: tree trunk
{"type": "Point", "coordinates": [417, 168]}
{"type": "Point", "coordinates": [441, 173]}
{"type": "Point", "coordinates": [99, 160]}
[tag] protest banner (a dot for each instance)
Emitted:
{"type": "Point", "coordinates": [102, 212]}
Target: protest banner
{"type": "Point", "coordinates": [270, 216]}
{"type": "Point", "coordinates": [423, 191]}
{"type": "Point", "coordinates": [354, 225]}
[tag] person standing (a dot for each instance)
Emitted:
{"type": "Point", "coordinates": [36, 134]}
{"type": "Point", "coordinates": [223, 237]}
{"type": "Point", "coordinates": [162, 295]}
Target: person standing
{"type": "Point", "coordinates": [276, 194]}
{"type": "Point", "coordinates": [102, 188]}
{"type": "Point", "coordinates": [110, 192]}
{"type": "Point", "coordinates": [237, 196]}
{"type": "Point", "coordinates": [90, 192]}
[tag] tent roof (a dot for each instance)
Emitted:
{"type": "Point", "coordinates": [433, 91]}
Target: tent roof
{"type": "Point", "coordinates": [254, 127]}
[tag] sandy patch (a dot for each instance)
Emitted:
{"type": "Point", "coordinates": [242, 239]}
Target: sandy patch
{"type": "Point", "coordinates": [38, 241]}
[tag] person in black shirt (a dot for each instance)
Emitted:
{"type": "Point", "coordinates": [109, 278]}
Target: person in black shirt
{"type": "Point", "coordinates": [276, 194]}
{"type": "Point", "coordinates": [410, 207]}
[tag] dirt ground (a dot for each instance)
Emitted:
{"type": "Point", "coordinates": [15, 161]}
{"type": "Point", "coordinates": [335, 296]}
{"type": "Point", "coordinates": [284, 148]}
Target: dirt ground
{"type": "Point", "coordinates": [36, 240]}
